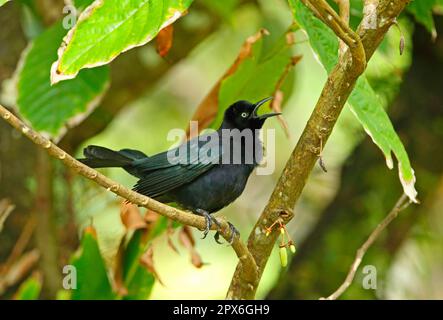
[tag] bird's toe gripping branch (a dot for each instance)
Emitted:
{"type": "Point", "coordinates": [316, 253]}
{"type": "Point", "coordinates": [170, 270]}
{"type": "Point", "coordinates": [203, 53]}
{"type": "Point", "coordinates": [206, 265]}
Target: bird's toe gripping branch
{"type": "Point", "coordinates": [210, 221]}
{"type": "Point", "coordinates": [233, 234]}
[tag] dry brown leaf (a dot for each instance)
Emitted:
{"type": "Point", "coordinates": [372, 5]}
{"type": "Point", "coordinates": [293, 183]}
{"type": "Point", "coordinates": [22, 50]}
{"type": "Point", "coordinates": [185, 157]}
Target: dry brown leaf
{"type": "Point", "coordinates": [131, 217]}
{"type": "Point", "coordinates": [151, 217]}
{"type": "Point", "coordinates": [208, 108]}
{"type": "Point", "coordinates": [164, 40]}
{"type": "Point", "coordinates": [132, 220]}
{"type": "Point", "coordinates": [278, 94]}
{"type": "Point", "coordinates": [187, 240]}
{"type": "Point", "coordinates": [147, 260]}
{"type": "Point", "coordinates": [118, 283]}
{"type": "Point", "coordinates": [276, 106]}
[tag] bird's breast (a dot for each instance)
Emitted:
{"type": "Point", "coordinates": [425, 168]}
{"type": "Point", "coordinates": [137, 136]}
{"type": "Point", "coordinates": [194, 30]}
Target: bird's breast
{"type": "Point", "coordinates": [215, 189]}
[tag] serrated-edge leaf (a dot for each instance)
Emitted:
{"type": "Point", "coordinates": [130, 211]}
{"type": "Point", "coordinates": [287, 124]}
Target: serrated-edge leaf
{"type": "Point", "coordinates": [59, 72]}
{"type": "Point", "coordinates": [363, 100]}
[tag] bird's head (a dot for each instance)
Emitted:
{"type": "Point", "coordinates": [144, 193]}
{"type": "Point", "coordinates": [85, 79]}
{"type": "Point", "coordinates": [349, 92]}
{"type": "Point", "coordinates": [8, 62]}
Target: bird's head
{"type": "Point", "coordinates": [244, 115]}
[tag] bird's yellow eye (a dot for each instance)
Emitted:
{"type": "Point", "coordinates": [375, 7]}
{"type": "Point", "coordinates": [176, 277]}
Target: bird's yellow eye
{"type": "Point", "coordinates": [244, 115]}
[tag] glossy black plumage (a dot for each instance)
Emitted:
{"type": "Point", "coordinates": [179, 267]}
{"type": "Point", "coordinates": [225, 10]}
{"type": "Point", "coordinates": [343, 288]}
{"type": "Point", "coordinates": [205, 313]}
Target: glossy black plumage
{"type": "Point", "coordinates": [200, 186]}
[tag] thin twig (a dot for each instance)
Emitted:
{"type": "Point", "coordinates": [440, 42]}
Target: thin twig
{"type": "Point", "coordinates": [6, 207]}
{"type": "Point", "coordinates": [344, 9]}
{"type": "Point", "coordinates": [341, 28]}
{"type": "Point", "coordinates": [402, 203]}
{"type": "Point", "coordinates": [21, 243]}
{"type": "Point", "coordinates": [249, 272]}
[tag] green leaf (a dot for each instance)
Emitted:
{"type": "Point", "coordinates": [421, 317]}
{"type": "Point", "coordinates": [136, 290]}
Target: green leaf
{"type": "Point", "coordinates": [323, 40]}
{"type": "Point", "coordinates": [82, 4]}
{"type": "Point", "coordinates": [257, 75]}
{"type": "Point", "coordinates": [32, 24]}
{"type": "Point", "coordinates": [161, 226]}
{"type": "Point", "coordinates": [92, 278]}
{"type": "Point", "coordinates": [223, 8]}
{"type": "Point", "coordinates": [363, 101]}
{"type": "Point", "coordinates": [2, 2]}
{"type": "Point", "coordinates": [137, 279]}
{"type": "Point", "coordinates": [30, 289]}
{"type": "Point", "coordinates": [422, 11]}
{"type": "Point", "coordinates": [108, 28]}
{"type": "Point", "coordinates": [63, 295]}
{"type": "Point", "coordinates": [369, 111]}
{"type": "Point", "coordinates": [50, 108]}
{"type": "Point", "coordinates": [387, 67]}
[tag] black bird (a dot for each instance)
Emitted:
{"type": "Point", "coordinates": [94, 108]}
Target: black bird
{"type": "Point", "coordinates": [203, 175]}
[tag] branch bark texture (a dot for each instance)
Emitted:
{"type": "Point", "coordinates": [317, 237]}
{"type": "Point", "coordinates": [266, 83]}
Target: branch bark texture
{"type": "Point", "coordinates": [336, 91]}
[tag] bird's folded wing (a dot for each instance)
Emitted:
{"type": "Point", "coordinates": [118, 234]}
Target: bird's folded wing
{"type": "Point", "coordinates": [161, 173]}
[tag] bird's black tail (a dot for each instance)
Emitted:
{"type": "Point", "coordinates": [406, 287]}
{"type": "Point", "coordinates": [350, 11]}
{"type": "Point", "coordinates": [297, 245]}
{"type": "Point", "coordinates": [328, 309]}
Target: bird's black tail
{"type": "Point", "coordinates": [101, 157]}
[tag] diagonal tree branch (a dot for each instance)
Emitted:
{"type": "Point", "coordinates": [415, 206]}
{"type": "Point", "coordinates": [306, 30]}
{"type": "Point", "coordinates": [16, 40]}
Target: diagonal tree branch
{"type": "Point", "coordinates": [247, 266]}
{"type": "Point", "coordinates": [336, 91]}
{"type": "Point", "coordinates": [401, 204]}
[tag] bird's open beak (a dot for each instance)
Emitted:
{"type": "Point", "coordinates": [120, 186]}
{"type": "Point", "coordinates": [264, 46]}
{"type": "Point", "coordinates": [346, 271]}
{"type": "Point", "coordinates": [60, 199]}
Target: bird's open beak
{"type": "Point", "coordinates": [266, 115]}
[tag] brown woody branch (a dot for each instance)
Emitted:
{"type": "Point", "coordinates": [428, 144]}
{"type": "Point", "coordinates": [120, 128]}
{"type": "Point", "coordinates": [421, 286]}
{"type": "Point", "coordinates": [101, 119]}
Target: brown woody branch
{"type": "Point", "coordinates": [247, 266]}
{"type": "Point", "coordinates": [336, 91]}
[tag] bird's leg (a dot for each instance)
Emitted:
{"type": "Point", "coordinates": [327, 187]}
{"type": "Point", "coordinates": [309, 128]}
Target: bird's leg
{"type": "Point", "coordinates": [209, 221]}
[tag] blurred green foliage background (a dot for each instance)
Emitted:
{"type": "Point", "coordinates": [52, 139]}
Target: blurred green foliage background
{"type": "Point", "coordinates": [338, 208]}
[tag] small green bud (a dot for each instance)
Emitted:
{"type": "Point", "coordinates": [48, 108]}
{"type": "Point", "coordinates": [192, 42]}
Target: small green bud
{"type": "Point", "coordinates": [283, 257]}
{"type": "Point", "coordinates": [292, 248]}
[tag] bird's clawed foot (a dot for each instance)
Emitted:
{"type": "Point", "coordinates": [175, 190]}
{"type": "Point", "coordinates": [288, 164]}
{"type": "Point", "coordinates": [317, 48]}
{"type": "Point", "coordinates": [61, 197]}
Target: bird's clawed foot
{"type": "Point", "coordinates": [234, 233]}
{"type": "Point", "coordinates": [209, 221]}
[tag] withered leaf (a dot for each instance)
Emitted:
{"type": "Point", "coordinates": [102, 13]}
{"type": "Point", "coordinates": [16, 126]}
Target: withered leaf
{"type": "Point", "coordinates": [119, 283]}
{"type": "Point", "coordinates": [187, 240]}
{"type": "Point", "coordinates": [147, 260]}
{"type": "Point", "coordinates": [164, 40]}
{"type": "Point", "coordinates": [131, 217]}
